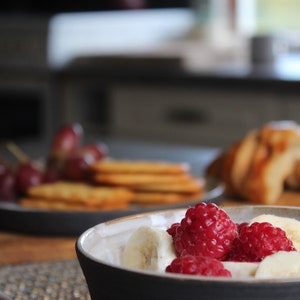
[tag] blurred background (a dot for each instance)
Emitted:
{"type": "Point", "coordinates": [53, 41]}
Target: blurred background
{"type": "Point", "coordinates": [185, 72]}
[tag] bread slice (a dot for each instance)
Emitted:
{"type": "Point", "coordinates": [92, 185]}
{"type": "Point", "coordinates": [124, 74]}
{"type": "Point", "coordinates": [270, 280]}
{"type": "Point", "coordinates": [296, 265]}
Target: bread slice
{"type": "Point", "coordinates": [273, 161]}
{"type": "Point", "coordinates": [232, 166]}
{"type": "Point", "coordinates": [293, 180]}
{"type": "Point", "coordinates": [215, 167]}
{"type": "Point", "coordinates": [259, 166]}
{"type": "Point", "coordinates": [243, 158]}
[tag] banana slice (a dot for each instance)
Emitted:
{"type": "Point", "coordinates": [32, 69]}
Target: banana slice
{"type": "Point", "coordinates": [280, 264]}
{"type": "Point", "coordinates": [289, 225]}
{"type": "Point", "coordinates": [149, 249]}
{"type": "Point", "coordinates": [241, 269]}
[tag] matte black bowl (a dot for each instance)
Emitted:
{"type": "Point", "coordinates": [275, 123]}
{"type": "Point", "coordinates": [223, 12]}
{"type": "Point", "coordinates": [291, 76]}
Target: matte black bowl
{"type": "Point", "coordinates": [99, 251]}
{"type": "Point", "coordinates": [3, 296]}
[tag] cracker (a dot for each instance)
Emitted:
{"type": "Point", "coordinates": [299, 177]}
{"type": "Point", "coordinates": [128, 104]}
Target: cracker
{"type": "Point", "coordinates": [67, 206]}
{"type": "Point", "coordinates": [131, 180]}
{"type": "Point", "coordinates": [156, 198]}
{"type": "Point", "coordinates": [80, 193]}
{"type": "Point", "coordinates": [51, 204]}
{"type": "Point", "coordinates": [192, 186]}
{"type": "Point", "coordinates": [141, 167]}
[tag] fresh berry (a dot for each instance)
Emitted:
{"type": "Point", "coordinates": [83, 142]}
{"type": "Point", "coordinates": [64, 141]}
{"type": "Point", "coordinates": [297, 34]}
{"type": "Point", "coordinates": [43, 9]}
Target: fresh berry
{"type": "Point", "coordinates": [96, 150]}
{"type": "Point", "coordinates": [236, 253]}
{"type": "Point", "coordinates": [28, 174]}
{"type": "Point", "coordinates": [52, 174]}
{"type": "Point", "coordinates": [7, 187]}
{"type": "Point", "coordinates": [240, 226]}
{"type": "Point", "coordinates": [198, 265]}
{"type": "Point", "coordinates": [205, 230]}
{"type": "Point", "coordinates": [66, 140]}
{"type": "Point", "coordinates": [77, 166]}
{"type": "Point", "coordinates": [258, 240]}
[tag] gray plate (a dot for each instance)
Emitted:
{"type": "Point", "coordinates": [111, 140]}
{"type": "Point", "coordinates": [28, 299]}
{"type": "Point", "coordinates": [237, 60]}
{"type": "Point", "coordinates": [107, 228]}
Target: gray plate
{"type": "Point", "coordinates": [16, 218]}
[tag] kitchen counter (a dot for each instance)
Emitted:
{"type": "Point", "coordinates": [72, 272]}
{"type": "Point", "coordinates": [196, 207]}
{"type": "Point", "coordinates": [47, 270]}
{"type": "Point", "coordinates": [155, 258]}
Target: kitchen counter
{"type": "Point", "coordinates": [167, 42]}
{"type": "Point", "coordinates": [283, 75]}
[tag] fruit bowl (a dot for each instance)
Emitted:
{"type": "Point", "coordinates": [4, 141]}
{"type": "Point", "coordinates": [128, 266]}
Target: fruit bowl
{"type": "Point", "coordinates": [3, 296]}
{"type": "Point", "coordinates": [100, 249]}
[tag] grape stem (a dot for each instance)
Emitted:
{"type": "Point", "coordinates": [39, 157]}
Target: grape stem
{"type": "Point", "coordinates": [17, 152]}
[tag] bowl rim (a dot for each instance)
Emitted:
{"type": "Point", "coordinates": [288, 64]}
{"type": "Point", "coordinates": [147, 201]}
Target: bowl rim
{"type": "Point", "coordinates": [172, 276]}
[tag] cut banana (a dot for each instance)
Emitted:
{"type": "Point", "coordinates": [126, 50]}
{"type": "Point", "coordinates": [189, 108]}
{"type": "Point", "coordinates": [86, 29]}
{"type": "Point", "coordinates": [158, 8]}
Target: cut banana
{"type": "Point", "coordinates": [241, 269]}
{"type": "Point", "coordinates": [280, 264]}
{"type": "Point", "coordinates": [149, 249]}
{"type": "Point", "coordinates": [152, 249]}
{"type": "Point", "coordinates": [289, 225]}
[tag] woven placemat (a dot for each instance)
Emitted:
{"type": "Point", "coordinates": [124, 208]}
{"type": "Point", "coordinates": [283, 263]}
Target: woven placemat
{"type": "Point", "coordinates": [59, 280]}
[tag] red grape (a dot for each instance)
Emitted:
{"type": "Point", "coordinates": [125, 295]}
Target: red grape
{"type": "Point", "coordinates": [54, 169]}
{"type": "Point", "coordinates": [52, 174]}
{"type": "Point", "coordinates": [98, 151]}
{"type": "Point", "coordinates": [77, 166]}
{"type": "Point", "coordinates": [66, 140]}
{"type": "Point", "coordinates": [28, 174]}
{"type": "Point", "coordinates": [7, 182]}
{"type": "Point", "coordinates": [4, 167]}
{"type": "Point", "coordinates": [128, 4]}
{"type": "Point", "coordinates": [7, 187]}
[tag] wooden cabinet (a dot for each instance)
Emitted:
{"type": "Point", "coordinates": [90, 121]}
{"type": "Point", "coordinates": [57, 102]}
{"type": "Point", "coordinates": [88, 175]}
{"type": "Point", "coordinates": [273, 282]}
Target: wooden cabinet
{"type": "Point", "coordinates": [197, 116]}
{"type": "Point", "coordinates": [200, 111]}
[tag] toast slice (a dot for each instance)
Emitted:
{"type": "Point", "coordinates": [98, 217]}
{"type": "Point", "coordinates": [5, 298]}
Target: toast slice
{"type": "Point", "coordinates": [274, 159]}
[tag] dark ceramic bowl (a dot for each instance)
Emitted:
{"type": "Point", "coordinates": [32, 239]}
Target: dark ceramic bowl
{"type": "Point", "coordinates": [3, 296]}
{"type": "Point", "coordinates": [99, 251]}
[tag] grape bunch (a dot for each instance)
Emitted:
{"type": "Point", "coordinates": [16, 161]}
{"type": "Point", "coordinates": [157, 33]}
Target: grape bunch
{"type": "Point", "coordinates": [7, 182]}
{"type": "Point", "coordinates": [68, 159]}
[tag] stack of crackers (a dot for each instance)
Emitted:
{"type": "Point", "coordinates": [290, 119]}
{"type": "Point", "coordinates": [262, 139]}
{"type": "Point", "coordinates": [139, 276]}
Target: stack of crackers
{"type": "Point", "coordinates": [152, 182]}
{"type": "Point", "coordinates": [117, 184]}
{"type": "Point", "coordinates": [63, 195]}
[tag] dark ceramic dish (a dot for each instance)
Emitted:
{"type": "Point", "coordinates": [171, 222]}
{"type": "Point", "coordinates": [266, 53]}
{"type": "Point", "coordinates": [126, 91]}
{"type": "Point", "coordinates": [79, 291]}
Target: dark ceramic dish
{"type": "Point", "coordinates": [3, 297]}
{"type": "Point", "coordinates": [99, 252]}
{"type": "Point", "coordinates": [16, 218]}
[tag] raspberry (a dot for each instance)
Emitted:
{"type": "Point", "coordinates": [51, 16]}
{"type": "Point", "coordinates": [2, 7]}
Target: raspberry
{"type": "Point", "coordinates": [258, 240]}
{"type": "Point", "coordinates": [205, 230]}
{"type": "Point", "coordinates": [198, 265]}
{"type": "Point", "coordinates": [241, 226]}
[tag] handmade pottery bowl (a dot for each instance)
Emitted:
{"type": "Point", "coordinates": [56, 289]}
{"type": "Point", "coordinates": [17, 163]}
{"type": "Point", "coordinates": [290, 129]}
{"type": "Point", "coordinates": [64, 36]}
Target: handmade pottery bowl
{"type": "Point", "coordinates": [99, 251]}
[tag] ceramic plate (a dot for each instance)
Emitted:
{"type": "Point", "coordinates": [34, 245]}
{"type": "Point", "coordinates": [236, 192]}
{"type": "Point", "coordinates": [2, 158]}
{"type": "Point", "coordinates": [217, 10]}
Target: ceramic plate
{"type": "Point", "coordinates": [16, 218]}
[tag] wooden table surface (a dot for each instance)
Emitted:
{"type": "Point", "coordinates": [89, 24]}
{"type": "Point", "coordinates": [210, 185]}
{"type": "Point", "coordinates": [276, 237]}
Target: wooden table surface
{"type": "Point", "coordinates": [20, 248]}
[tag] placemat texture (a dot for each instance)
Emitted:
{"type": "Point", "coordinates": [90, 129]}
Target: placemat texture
{"type": "Point", "coordinates": [58, 280]}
